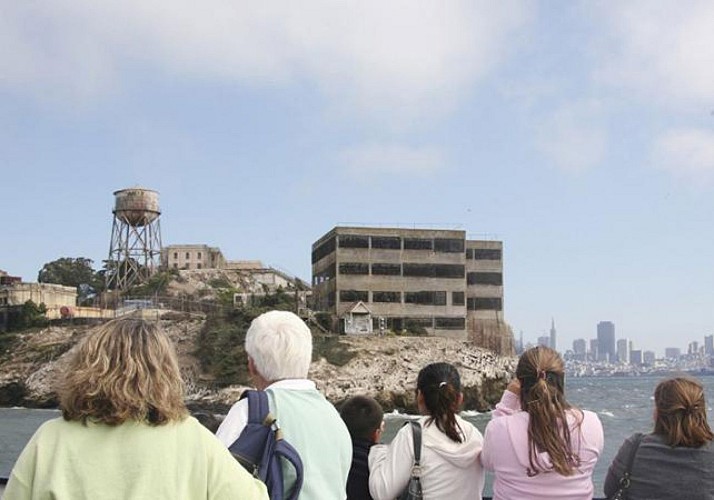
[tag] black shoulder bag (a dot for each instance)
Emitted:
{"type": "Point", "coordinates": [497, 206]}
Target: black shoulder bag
{"type": "Point", "coordinates": [621, 493]}
{"type": "Point", "coordinates": [413, 489]}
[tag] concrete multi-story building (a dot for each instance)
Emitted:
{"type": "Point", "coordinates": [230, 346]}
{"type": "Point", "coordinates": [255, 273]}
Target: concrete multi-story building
{"type": "Point", "coordinates": [606, 341]}
{"type": "Point", "coordinates": [553, 335]}
{"type": "Point", "coordinates": [648, 358]}
{"type": "Point", "coordinates": [412, 279]}
{"type": "Point", "coordinates": [544, 340]}
{"type": "Point", "coordinates": [191, 257]}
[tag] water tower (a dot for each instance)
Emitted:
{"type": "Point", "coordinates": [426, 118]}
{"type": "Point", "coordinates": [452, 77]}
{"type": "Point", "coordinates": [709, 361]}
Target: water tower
{"type": "Point", "coordinates": [135, 246]}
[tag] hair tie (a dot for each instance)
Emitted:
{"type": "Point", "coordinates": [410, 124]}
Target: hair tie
{"type": "Point", "coordinates": [442, 384]}
{"type": "Point", "coordinates": [541, 374]}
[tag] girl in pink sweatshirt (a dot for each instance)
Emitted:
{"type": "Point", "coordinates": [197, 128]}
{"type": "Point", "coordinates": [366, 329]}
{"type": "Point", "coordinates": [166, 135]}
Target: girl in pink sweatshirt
{"type": "Point", "coordinates": [538, 445]}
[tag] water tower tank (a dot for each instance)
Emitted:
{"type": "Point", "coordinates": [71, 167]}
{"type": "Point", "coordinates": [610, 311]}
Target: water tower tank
{"type": "Point", "coordinates": [136, 206]}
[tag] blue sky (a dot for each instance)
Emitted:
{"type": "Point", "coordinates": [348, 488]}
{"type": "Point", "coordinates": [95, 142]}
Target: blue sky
{"type": "Point", "coordinates": [579, 133]}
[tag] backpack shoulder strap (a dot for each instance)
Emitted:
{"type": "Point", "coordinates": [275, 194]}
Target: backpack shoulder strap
{"type": "Point", "coordinates": [416, 434]}
{"type": "Point", "coordinates": [258, 408]}
{"type": "Point", "coordinates": [288, 453]}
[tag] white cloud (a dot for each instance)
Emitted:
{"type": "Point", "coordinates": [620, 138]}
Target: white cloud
{"type": "Point", "coordinates": [574, 136]}
{"type": "Point", "coordinates": [392, 159]}
{"type": "Point", "coordinates": [406, 56]}
{"type": "Point", "coordinates": [687, 153]}
{"type": "Point", "coordinates": [661, 49]}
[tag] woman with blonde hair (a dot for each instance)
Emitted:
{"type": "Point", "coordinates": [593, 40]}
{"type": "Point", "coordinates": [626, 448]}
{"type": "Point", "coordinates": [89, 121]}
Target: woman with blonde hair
{"type": "Point", "coordinates": [537, 444]}
{"type": "Point", "coordinates": [125, 432]}
{"type": "Point", "coordinates": [677, 459]}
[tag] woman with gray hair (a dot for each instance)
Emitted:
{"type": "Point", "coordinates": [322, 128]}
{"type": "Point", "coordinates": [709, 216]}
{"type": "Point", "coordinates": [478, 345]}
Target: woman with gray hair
{"type": "Point", "coordinates": [279, 348]}
{"type": "Point", "coordinates": [677, 459]}
{"type": "Point", "coordinates": [125, 431]}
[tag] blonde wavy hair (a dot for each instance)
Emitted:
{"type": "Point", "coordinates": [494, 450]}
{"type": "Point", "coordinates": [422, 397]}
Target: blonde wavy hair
{"type": "Point", "coordinates": [125, 369]}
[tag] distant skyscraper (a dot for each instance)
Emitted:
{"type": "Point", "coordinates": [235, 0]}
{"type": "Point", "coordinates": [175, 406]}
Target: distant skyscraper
{"type": "Point", "coordinates": [648, 358]}
{"type": "Point", "coordinates": [592, 355]}
{"type": "Point", "coordinates": [553, 344]}
{"type": "Point", "coordinates": [672, 352]}
{"type": "Point", "coordinates": [693, 348]}
{"type": "Point", "coordinates": [544, 341]}
{"type": "Point", "coordinates": [606, 341]}
{"type": "Point", "coordinates": [709, 345]}
{"type": "Point", "coordinates": [622, 351]}
{"type": "Point", "coordinates": [580, 346]}
{"type": "Point", "coordinates": [635, 357]}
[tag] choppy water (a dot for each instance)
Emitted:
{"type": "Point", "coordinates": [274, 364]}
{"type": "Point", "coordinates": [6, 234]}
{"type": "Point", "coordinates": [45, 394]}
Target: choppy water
{"type": "Point", "coordinates": [624, 406]}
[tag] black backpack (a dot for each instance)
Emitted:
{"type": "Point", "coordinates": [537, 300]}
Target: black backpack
{"type": "Point", "coordinates": [261, 449]}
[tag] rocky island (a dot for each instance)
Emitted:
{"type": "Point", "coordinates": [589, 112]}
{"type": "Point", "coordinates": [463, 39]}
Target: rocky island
{"type": "Point", "coordinates": [384, 367]}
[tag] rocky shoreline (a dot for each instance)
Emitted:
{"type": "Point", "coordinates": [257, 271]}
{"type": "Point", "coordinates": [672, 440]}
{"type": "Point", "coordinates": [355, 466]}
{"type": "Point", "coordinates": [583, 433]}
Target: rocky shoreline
{"type": "Point", "coordinates": [383, 367]}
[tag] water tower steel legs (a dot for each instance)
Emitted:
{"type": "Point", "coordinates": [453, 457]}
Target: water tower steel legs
{"type": "Point", "coordinates": [134, 252]}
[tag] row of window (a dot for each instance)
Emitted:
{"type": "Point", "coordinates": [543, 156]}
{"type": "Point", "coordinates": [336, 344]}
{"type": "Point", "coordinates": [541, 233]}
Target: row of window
{"type": "Point", "coordinates": [422, 271]}
{"type": "Point", "coordinates": [423, 298]}
{"type": "Point", "coordinates": [439, 323]}
{"type": "Point", "coordinates": [442, 245]}
{"type": "Point", "coordinates": [406, 269]}
{"type": "Point", "coordinates": [188, 255]}
{"type": "Point", "coordinates": [186, 266]}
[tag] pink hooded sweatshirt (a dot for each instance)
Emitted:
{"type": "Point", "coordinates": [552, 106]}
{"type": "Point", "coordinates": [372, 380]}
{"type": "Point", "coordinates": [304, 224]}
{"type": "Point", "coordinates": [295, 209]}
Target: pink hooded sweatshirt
{"type": "Point", "coordinates": [505, 453]}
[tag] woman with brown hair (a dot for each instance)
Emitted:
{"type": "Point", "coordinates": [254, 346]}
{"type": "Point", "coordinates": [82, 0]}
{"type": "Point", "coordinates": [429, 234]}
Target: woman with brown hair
{"type": "Point", "coordinates": [537, 444]}
{"type": "Point", "coordinates": [450, 445]}
{"type": "Point", "coordinates": [125, 431]}
{"type": "Point", "coordinates": [677, 459]}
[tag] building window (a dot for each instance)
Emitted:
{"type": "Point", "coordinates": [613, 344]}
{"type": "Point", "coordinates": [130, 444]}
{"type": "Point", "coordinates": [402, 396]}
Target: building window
{"type": "Point", "coordinates": [386, 296]}
{"type": "Point", "coordinates": [354, 268]}
{"type": "Point", "coordinates": [425, 298]}
{"type": "Point", "coordinates": [175, 265]}
{"type": "Point", "coordinates": [484, 279]}
{"type": "Point", "coordinates": [199, 255]}
{"type": "Point", "coordinates": [199, 265]}
{"type": "Point", "coordinates": [418, 244]}
{"type": "Point", "coordinates": [323, 250]}
{"type": "Point", "coordinates": [324, 274]}
{"type": "Point", "coordinates": [484, 303]}
{"type": "Point", "coordinates": [448, 245]}
{"type": "Point", "coordinates": [175, 255]}
{"type": "Point", "coordinates": [354, 295]}
{"type": "Point", "coordinates": [387, 242]}
{"type": "Point", "coordinates": [484, 254]}
{"type": "Point", "coordinates": [449, 271]}
{"type": "Point", "coordinates": [188, 255]}
{"type": "Point", "coordinates": [457, 298]}
{"type": "Point", "coordinates": [418, 270]}
{"type": "Point", "coordinates": [351, 241]}
{"type": "Point", "coordinates": [383, 269]}
{"type": "Point", "coordinates": [450, 323]}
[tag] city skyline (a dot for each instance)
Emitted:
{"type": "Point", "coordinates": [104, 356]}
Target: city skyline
{"type": "Point", "coordinates": [581, 134]}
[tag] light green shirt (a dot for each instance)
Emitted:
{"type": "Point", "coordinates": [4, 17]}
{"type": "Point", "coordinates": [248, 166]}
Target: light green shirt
{"type": "Point", "coordinates": [177, 461]}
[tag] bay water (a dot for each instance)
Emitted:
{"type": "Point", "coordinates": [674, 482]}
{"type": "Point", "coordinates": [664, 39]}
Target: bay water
{"type": "Point", "coordinates": [624, 405]}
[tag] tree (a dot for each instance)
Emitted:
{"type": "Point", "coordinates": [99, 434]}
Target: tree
{"type": "Point", "coordinates": [76, 272]}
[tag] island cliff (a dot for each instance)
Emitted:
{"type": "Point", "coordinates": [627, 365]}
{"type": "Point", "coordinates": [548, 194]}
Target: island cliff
{"type": "Point", "coordinates": [343, 366]}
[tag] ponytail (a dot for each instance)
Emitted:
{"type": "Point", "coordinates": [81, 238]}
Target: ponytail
{"type": "Point", "coordinates": [440, 386]}
{"type": "Point", "coordinates": [541, 374]}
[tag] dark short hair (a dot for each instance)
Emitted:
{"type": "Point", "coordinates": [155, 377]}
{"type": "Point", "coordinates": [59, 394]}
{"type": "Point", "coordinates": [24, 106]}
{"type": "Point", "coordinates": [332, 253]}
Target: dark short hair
{"type": "Point", "coordinates": [362, 415]}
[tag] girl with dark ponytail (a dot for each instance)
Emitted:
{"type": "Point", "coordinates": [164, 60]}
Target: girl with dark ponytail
{"type": "Point", "coordinates": [538, 445]}
{"type": "Point", "coordinates": [450, 445]}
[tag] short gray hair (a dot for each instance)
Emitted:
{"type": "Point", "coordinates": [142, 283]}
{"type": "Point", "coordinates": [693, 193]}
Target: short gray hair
{"type": "Point", "coordinates": [280, 344]}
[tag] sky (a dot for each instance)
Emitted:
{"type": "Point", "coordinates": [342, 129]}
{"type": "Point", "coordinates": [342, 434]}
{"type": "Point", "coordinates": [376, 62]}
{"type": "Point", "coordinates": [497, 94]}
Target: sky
{"type": "Point", "coordinates": [581, 134]}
